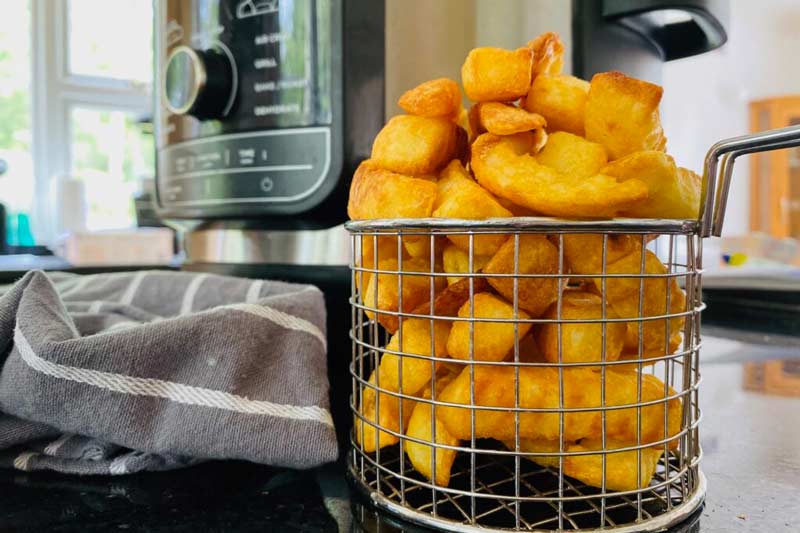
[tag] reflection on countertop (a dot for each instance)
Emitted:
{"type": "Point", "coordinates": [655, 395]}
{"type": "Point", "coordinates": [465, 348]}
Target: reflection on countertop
{"type": "Point", "coordinates": [750, 441]}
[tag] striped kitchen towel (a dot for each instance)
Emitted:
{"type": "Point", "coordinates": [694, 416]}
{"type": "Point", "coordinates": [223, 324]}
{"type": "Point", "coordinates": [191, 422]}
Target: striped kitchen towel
{"type": "Point", "coordinates": [153, 370]}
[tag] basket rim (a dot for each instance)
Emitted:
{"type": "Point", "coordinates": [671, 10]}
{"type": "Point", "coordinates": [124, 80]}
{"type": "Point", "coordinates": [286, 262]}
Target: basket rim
{"type": "Point", "coordinates": [533, 224]}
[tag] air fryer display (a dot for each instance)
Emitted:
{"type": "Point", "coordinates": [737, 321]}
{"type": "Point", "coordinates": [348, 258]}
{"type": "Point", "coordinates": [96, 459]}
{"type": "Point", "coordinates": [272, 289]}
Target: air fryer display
{"type": "Point", "coordinates": [247, 100]}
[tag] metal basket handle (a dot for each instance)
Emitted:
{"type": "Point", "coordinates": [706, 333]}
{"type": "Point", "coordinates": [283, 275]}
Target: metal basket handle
{"type": "Point", "coordinates": [715, 194]}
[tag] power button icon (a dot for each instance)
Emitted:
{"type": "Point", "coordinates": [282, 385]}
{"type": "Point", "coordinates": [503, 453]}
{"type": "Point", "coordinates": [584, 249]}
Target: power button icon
{"type": "Point", "coordinates": [267, 184]}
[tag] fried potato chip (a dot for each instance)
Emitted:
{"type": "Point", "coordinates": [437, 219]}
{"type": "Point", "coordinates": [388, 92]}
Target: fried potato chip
{"type": "Point", "coordinates": [497, 75]}
{"type": "Point", "coordinates": [630, 350]}
{"type": "Point", "coordinates": [420, 246]}
{"type": "Point", "coordinates": [539, 446]}
{"type": "Point", "coordinates": [416, 145]}
{"type": "Point", "coordinates": [386, 248]}
{"type": "Point", "coordinates": [620, 466]}
{"type": "Point", "coordinates": [505, 119]}
{"type": "Point", "coordinates": [385, 413]}
{"type": "Point", "coordinates": [382, 293]}
{"type": "Point", "coordinates": [622, 114]}
{"type": "Point", "coordinates": [516, 210]}
{"type": "Point", "coordinates": [526, 182]}
{"type": "Point", "coordinates": [413, 337]}
{"type": "Point", "coordinates": [494, 386]}
{"type": "Point", "coordinates": [583, 252]}
{"type": "Point", "coordinates": [623, 294]}
{"type": "Point", "coordinates": [379, 193]}
{"type": "Point", "coordinates": [580, 341]}
{"type": "Point", "coordinates": [460, 197]}
{"type": "Point", "coordinates": [536, 255]}
{"type": "Point", "coordinates": [420, 426]}
{"type": "Point", "coordinates": [561, 100]}
{"type": "Point", "coordinates": [673, 193]}
{"type": "Point", "coordinates": [491, 341]}
{"type": "Point", "coordinates": [435, 98]}
{"type": "Point", "coordinates": [540, 138]}
{"type": "Point", "coordinates": [574, 156]}
{"type": "Point", "coordinates": [529, 351]}
{"type": "Point", "coordinates": [450, 300]}
{"type": "Point", "coordinates": [456, 261]}
{"type": "Point", "coordinates": [548, 54]}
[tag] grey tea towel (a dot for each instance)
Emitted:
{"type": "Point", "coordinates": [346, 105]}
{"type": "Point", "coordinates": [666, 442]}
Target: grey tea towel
{"type": "Point", "coordinates": [152, 370]}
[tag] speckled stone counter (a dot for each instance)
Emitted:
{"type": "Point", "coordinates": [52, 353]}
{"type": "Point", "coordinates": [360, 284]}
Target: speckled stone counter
{"type": "Point", "coordinates": [751, 444]}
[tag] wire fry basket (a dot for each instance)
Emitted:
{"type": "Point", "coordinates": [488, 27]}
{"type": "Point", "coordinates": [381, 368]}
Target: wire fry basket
{"type": "Point", "coordinates": [553, 387]}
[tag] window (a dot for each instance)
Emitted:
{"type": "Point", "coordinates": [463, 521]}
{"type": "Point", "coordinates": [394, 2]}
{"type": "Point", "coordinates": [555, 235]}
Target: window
{"type": "Point", "coordinates": [116, 51]}
{"type": "Point", "coordinates": [75, 98]}
{"type": "Point", "coordinates": [17, 183]}
{"type": "Point", "coordinates": [110, 155]}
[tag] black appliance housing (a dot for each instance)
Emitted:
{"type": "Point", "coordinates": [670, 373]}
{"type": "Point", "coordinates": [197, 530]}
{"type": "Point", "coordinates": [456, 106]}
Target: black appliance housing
{"type": "Point", "coordinates": [637, 36]}
{"type": "Point", "coordinates": [266, 107]}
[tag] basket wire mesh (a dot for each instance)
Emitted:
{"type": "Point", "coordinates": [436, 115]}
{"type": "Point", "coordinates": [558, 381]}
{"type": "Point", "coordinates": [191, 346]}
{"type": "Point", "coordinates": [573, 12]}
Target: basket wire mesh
{"type": "Point", "coordinates": [492, 485]}
{"type": "Point", "coordinates": [500, 482]}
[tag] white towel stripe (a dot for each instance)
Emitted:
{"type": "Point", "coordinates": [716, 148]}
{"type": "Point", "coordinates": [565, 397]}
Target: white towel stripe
{"type": "Point", "coordinates": [118, 466]}
{"type": "Point", "coordinates": [176, 392]}
{"type": "Point", "coordinates": [56, 445]}
{"type": "Point", "coordinates": [254, 291]}
{"type": "Point", "coordinates": [22, 460]}
{"type": "Point", "coordinates": [282, 319]}
{"type": "Point", "coordinates": [133, 286]}
{"type": "Point", "coordinates": [80, 285]}
{"type": "Point", "coordinates": [96, 306]}
{"type": "Point", "coordinates": [191, 291]}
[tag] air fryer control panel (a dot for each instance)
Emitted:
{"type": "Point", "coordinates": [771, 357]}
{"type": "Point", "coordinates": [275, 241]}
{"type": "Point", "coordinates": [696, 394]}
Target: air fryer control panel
{"type": "Point", "coordinates": [250, 106]}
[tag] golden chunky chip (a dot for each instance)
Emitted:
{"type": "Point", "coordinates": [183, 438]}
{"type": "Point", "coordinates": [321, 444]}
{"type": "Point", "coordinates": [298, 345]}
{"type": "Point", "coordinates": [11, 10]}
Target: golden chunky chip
{"type": "Point", "coordinates": [434, 98]}
{"type": "Point", "coordinates": [580, 341]}
{"type": "Point", "coordinates": [379, 193]}
{"type": "Point", "coordinates": [524, 181]}
{"type": "Point", "coordinates": [540, 138]}
{"type": "Point", "coordinates": [420, 245]}
{"type": "Point", "coordinates": [497, 75]}
{"type": "Point", "coordinates": [583, 252]}
{"type": "Point", "coordinates": [623, 294]}
{"type": "Point", "coordinates": [385, 413]}
{"type": "Point", "coordinates": [382, 246]}
{"type": "Point", "coordinates": [561, 100]}
{"type": "Point", "coordinates": [421, 426]}
{"type": "Point", "coordinates": [491, 341]}
{"type": "Point", "coordinates": [416, 145]}
{"type": "Point", "coordinates": [494, 386]}
{"type": "Point", "coordinates": [622, 114]}
{"type": "Point", "coordinates": [673, 192]}
{"type": "Point", "coordinates": [548, 54]}
{"type": "Point", "coordinates": [539, 446]}
{"type": "Point", "coordinates": [456, 261]}
{"type": "Point", "coordinates": [450, 300]}
{"type": "Point", "coordinates": [573, 155]}
{"type": "Point", "coordinates": [620, 466]}
{"type": "Point", "coordinates": [383, 292]}
{"type": "Point", "coordinates": [536, 255]}
{"type": "Point", "coordinates": [505, 119]}
{"type": "Point", "coordinates": [460, 197]}
{"type": "Point", "coordinates": [413, 337]}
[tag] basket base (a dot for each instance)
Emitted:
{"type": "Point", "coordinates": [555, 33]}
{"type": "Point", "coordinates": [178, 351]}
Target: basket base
{"type": "Point", "coordinates": [661, 522]}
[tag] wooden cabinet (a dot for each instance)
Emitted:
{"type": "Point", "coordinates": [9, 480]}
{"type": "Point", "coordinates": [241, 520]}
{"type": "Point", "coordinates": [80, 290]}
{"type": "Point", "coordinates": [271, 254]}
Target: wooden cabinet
{"type": "Point", "coordinates": [775, 176]}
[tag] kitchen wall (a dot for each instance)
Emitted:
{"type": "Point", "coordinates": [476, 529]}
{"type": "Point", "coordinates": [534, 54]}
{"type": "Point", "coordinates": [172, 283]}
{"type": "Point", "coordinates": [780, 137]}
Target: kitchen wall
{"type": "Point", "coordinates": [706, 97]}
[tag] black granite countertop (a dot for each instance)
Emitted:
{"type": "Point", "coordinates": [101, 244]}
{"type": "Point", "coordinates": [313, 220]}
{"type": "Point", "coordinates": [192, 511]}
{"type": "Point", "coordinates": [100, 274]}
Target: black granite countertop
{"type": "Point", "coordinates": [751, 444]}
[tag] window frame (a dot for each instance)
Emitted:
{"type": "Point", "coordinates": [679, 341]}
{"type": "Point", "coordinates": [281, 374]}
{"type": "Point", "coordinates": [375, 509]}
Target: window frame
{"type": "Point", "coordinates": [55, 91]}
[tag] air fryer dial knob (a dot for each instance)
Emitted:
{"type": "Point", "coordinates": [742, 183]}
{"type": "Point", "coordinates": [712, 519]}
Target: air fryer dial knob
{"type": "Point", "coordinates": [197, 83]}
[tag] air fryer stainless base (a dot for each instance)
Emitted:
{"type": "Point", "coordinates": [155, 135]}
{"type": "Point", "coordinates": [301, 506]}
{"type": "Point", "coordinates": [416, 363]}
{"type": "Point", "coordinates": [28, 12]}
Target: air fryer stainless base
{"type": "Point", "coordinates": [231, 245]}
